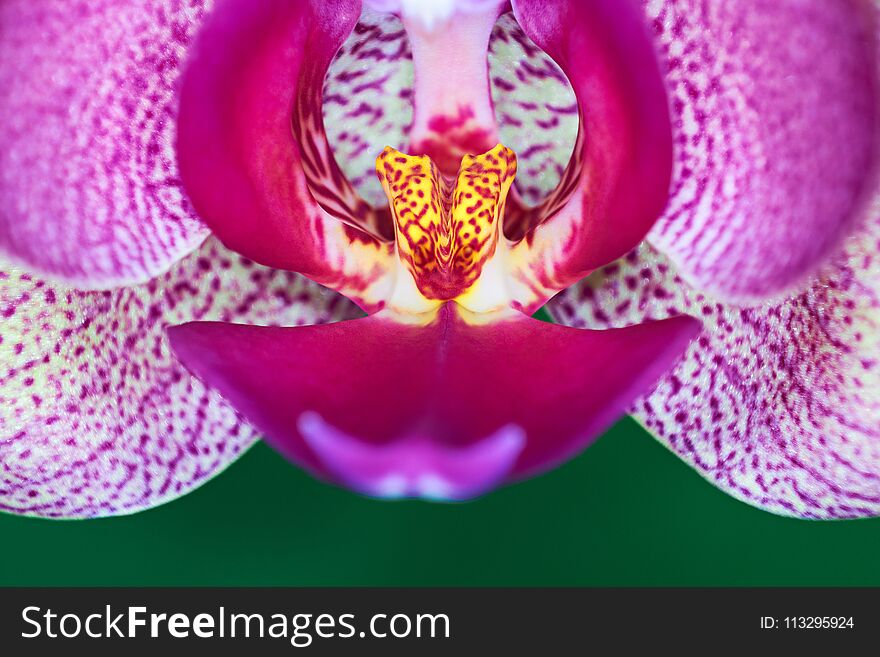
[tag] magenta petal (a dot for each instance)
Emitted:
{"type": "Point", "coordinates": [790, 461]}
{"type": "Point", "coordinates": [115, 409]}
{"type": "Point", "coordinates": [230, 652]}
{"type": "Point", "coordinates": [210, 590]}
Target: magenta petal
{"type": "Point", "coordinates": [96, 415]}
{"type": "Point", "coordinates": [89, 189]}
{"type": "Point", "coordinates": [252, 150]}
{"type": "Point", "coordinates": [618, 181]}
{"type": "Point", "coordinates": [394, 409]}
{"type": "Point", "coordinates": [775, 114]}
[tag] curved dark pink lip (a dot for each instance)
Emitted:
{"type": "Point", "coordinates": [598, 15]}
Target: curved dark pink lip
{"type": "Point", "coordinates": [401, 410]}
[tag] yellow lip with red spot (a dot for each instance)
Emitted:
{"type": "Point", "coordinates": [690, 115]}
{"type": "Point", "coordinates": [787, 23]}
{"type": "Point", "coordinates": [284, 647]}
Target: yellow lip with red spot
{"type": "Point", "coordinates": [448, 232]}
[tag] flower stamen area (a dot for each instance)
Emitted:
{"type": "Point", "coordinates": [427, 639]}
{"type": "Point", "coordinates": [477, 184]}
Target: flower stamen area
{"type": "Point", "coordinates": [446, 230]}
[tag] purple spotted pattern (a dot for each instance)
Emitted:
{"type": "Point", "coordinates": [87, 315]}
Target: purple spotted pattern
{"type": "Point", "coordinates": [778, 404]}
{"type": "Point", "coordinates": [89, 189]}
{"type": "Point", "coordinates": [368, 99]}
{"type": "Point", "coordinates": [96, 415]}
{"type": "Point", "coordinates": [535, 107]}
{"type": "Point", "coordinates": [774, 109]}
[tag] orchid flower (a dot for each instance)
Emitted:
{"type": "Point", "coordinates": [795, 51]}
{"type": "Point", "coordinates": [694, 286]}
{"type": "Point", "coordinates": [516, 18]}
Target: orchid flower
{"type": "Point", "coordinates": [200, 201]}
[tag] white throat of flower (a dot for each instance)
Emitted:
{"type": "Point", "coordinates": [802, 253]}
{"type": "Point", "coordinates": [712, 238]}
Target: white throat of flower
{"type": "Point", "coordinates": [430, 14]}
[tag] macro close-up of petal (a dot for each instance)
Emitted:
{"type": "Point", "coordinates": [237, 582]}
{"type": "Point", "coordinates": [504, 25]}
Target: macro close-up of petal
{"type": "Point", "coordinates": [89, 187]}
{"type": "Point", "coordinates": [777, 404]}
{"type": "Point", "coordinates": [329, 225]}
{"type": "Point", "coordinates": [98, 416]}
{"type": "Point", "coordinates": [775, 113]}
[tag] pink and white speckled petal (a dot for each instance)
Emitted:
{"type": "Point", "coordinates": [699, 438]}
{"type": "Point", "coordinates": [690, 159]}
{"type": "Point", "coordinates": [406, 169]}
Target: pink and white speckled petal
{"type": "Point", "coordinates": [89, 189]}
{"type": "Point", "coordinates": [368, 100]}
{"type": "Point", "coordinates": [96, 416]}
{"type": "Point", "coordinates": [775, 113]}
{"type": "Point", "coordinates": [536, 110]}
{"type": "Point", "coordinates": [779, 404]}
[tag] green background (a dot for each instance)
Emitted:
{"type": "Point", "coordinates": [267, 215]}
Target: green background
{"type": "Point", "coordinates": [626, 512]}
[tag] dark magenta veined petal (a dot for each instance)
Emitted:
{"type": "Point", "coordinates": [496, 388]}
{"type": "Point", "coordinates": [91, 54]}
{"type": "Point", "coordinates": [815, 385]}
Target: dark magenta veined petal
{"type": "Point", "coordinates": [253, 153]}
{"type": "Point", "coordinates": [89, 187]}
{"type": "Point", "coordinates": [448, 409]}
{"type": "Point", "coordinates": [96, 416]}
{"type": "Point", "coordinates": [775, 114]}
{"type": "Point", "coordinates": [779, 404]}
{"type": "Point", "coordinates": [618, 180]}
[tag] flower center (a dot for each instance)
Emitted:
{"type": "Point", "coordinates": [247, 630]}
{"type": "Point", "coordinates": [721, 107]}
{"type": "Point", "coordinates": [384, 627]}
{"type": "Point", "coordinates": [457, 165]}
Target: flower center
{"type": "Point", "coordinates": [446, 230]}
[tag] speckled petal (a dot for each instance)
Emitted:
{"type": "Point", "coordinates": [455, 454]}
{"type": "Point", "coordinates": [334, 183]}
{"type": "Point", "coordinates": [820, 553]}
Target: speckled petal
{"type": "Point", "coordinates": [252, 150]}
{"type": "Point", "coordinates": [779, 404]}
{"type": "Point", "coordinates": [96, 416]}
{"type": "Point", "coordinates": [536, 110]}
{"type": "Point", "coordinates": [368, 99]}
{"type": "Point", "coordinates": [394, 409]}
{"type": "Point", "coordinates": [775, 112]}
{"type": "Point", "coordinates": [89, 188]}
